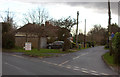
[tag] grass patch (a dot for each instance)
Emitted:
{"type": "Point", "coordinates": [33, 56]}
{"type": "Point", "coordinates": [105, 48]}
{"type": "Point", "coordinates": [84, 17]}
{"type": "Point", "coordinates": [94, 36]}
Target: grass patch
{"type": "Point", "coordinates": [38, 54]}
{"type": "Point", "coordinates": [109, 59]}
{"type": "Point", "coordinates": [41, 52]}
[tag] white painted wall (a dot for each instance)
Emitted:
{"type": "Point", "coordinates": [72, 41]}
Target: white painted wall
{"type": "Point", "coordinates": [43, 41]}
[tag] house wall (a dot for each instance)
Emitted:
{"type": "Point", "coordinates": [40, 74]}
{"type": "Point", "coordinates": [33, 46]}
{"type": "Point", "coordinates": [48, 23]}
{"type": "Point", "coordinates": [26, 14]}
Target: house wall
{"type": "Point", "coordinates": [34, 42]}
{"type": "Point", "coordinates": [20, 41]}
{"type": "Point", "coordinates": [43, 42]}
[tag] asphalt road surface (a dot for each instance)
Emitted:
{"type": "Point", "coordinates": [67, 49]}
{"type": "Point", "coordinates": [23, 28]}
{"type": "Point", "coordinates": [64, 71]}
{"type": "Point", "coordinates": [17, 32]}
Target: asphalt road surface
{"type": "Point", "coordinates": [84, 62]}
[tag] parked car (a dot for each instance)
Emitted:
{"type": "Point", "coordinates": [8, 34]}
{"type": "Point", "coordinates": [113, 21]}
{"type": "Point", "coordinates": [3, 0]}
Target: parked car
{"type": "Point", "coordinates": [55, 45]}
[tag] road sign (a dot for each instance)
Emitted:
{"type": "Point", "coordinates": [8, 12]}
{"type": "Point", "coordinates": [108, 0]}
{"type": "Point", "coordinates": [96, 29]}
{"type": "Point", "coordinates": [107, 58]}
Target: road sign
{"type": "Point", "coordinates": [112, 35]}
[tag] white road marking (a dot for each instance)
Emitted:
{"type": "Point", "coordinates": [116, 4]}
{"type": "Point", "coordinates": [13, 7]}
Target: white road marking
{"type": "Point", "coordinates": [18, 56]}
{"type": "Point", "coordinates": [84, 54]}
{"type": "Point", "coordinates": [74, 58]}
{"type": "Point", "coordinates": [68, 67]}
{"type": "Point", "coordinates": [104, 74]}
{"type": "Point", "coordinates": [64, 62]}
{"type": "Point", "coordinates": [49, 62]}
{"type": "Point", "coordinates": [14, 66]}
{"type": "Point", "coordinates": [76, 69]}
{"type": "Point", "coordinates": [54, 64]}
{"type": "Point", "coordinates": [94, 74]}
{"type": "Point", "coordinates": [79, 56]}
{"type": "Point", "coordinates": [18, 68]}
{"type": "Point", "coordinates": [93, 71]}
{"type": "Point", "coordinates": [41, 57]}
{"type": "Point", "coordinates": [43, 61]}
{"type": "Point", "coordinates": [85, 71]}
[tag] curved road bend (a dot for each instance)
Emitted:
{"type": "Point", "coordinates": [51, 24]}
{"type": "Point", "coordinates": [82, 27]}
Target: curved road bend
{"type": "Point", "coordinates": [84, 62]}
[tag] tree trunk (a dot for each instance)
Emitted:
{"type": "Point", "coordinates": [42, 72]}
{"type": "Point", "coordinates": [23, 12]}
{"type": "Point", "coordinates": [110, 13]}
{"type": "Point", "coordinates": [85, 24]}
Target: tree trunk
{"type": "Point", "coordinates": [26, 37]}
{"type": "Point", "coordinates": [39, 43]}
{"type": "Point", "coordinates": [67, 43]}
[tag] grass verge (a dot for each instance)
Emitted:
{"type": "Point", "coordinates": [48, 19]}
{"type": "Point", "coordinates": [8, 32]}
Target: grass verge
{"type": "Point", "coordinates": [109, 59]}
{"type": "Point", "coordinates": [42, 52]}
{"type": "Point", "coordinates": [39, 53]}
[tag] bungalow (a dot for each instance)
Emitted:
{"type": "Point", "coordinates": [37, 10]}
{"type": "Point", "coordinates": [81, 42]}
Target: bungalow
{"type": "Point", "coordinates": [35, 33]}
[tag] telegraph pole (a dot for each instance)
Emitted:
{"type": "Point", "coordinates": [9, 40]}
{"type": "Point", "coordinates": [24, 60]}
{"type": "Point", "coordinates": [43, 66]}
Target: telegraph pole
{"type": "Point", "coordinates": [77, 30]}
{"type": "Point", "coordinates": [85, 34]}
{"type": "Point", "coordinates": [109, 23]}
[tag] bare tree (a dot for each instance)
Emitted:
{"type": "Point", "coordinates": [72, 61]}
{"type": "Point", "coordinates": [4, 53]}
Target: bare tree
{"type": "Point", "coordinates": [8, 17]}
{"type": "Point", "coordinates": [8, 29]}
{"type": "Point", "coordinates": [98, 34]}
{"type": "Point", "coordinates": [37, 16]}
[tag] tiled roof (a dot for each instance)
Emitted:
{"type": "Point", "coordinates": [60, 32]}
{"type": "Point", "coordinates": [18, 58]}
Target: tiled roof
{"type": "Point", "coordinates": [47, 30]}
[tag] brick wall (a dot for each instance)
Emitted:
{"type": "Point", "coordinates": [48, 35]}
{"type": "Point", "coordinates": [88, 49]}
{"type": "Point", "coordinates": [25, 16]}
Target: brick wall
{"type": "Point", "coordinates": [20, 41]}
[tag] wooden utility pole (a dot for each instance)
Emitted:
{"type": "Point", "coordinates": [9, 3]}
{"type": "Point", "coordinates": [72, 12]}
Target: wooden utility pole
{"type": "Point", "coordinates": [109, 15]}
{"type": "Point", "coordinates": [85, 34]}
{"type": "Point", "coordinates": [77, 30]}
{"type": "Point", "coordinates": [109, 24]}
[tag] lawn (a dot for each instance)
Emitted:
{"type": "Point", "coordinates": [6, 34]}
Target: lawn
{"type": "Point", "coordinates": [41, 52]}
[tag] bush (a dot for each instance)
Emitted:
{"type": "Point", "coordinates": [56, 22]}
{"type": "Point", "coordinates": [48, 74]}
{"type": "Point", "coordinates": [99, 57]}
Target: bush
{"type": "Point", "coordinates": [116, 48]}
{"type": "Point", "coordinates": [103, 42]}
{"type": "Point", "coordinates": [8, 38]}
{"type": "Point", "coordinates": [8, 41]}
{"type": "Point", "coordinates": [74, 45]}
{"type": "Point", "coordinates": [89, 44]}
{"type": "Point", "coordinates": [106, 46]}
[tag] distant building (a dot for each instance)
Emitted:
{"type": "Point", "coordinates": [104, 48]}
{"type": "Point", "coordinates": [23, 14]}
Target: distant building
{"type": "Point", "coordinates": [31, 32]}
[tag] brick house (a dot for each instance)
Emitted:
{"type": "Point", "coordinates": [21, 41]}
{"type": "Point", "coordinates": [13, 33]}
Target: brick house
{"type": "Point", "coordinates": [31, 32]}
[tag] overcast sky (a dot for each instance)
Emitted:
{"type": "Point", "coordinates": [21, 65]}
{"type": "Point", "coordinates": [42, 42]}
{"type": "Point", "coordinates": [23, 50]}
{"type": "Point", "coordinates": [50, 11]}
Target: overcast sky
{"type": "Point", "coordinates": [94, 12]}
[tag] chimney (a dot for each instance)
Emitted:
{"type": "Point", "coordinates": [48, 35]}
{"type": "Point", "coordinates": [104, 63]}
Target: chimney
{"type": "Point", "coordinates": [47, 23]}
{"type": "Point", "coordinates": [42, 24]}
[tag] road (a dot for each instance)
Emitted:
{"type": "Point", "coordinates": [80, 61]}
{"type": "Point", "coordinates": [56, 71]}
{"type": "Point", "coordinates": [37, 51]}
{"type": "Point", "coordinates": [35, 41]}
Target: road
{"type": "Point", "coordinates": [84, 62]}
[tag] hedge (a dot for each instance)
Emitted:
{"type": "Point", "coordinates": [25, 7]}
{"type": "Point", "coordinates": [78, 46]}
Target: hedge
{"type": "Point", "coordinates": [116, 48]}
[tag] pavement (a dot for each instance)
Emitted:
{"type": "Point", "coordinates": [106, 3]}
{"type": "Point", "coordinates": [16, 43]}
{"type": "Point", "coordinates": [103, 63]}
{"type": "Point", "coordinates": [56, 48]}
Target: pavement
{"type": "Point", "coordinates": [84, 62]}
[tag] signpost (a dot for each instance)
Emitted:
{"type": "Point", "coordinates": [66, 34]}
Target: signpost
{"type": "Point", "coordinates": [112, 35]}
{"type": "Point", "coordinates": [28, 46]}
